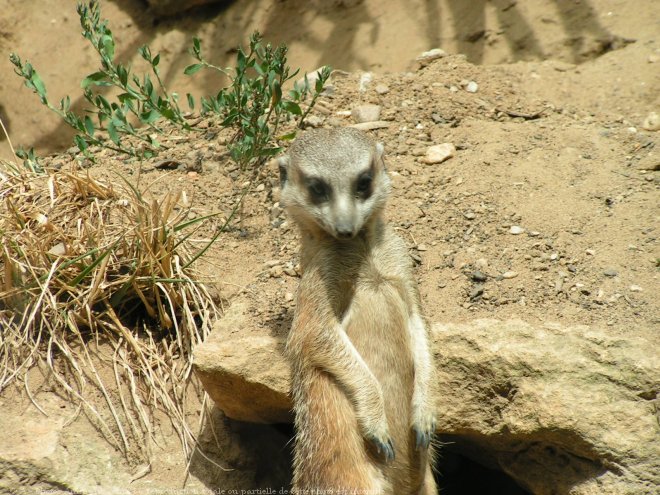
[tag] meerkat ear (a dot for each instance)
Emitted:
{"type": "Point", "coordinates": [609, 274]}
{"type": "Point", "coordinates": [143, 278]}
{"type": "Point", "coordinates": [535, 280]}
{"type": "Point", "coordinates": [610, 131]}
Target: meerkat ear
{"type": "Point", "coordinates": [380, 149]}
{"type": "Point", "coordinates": [283, 164]}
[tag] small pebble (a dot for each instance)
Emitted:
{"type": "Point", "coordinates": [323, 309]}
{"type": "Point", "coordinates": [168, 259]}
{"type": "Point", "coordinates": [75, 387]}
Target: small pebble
{"type": "Point", "coordinates": [476, 292]}
{"type": "Point", "coordinates": [433, 54]}
{"type": "Point", "coordinates": [313, 121]}
{"type": "Point", "coordinates": [369, 126]}
{"type": "Point", "coordinates": [635, 288]}
{"type": "Point", "coordinates": [509, 274]}
{"type": "Point", "coordinates": [610, 272]}
{"type": "Point", "coordinates": [276, 272]}
{"type": "Point", "coordinates": [290, 271]}
{"type": "Point", "coordinates": [439, 153]}
{"type": "Point", "coordinates": [288, 297]}
{"type": "Point", "coordinates": [652, 122]}
{"type": "Point", "coordinates": [516, 230]}
{"type": "Point", "coordinates": [472, 87]}
{"type": "Point", "coordinates": [422, 247]}
{"type": "Point", "coordinates": [590, 252]}
{"type": "Point", "coordinates": [571, 268]}
{"type": "Point", "coordinates": [382, 89]}
{"type": "Point", "coordinates": [366, 113]}
{"type": "Point", "coordinates": [365, 80]}
{"type": "Point", "coordinates": [470, 215]}
{"type": "Point", "coordinates": [478, 276]}
{"type": "Point", "coordinates": [275, 212]}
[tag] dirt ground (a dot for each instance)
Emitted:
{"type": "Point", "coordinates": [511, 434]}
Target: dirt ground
{"type": "Point", "coordinates": [547, 212]}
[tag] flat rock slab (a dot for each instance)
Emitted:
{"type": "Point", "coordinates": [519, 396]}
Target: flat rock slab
{"type": "Point", "coordinates": [562, 410]}
{"type": "Point", "coordinates": [246, 376]}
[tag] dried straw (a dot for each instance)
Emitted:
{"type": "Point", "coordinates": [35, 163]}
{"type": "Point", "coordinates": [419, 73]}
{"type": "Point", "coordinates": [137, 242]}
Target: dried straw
{"type": "Point", "coordinates": [93, 274]}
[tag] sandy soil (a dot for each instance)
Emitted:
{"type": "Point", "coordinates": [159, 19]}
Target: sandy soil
{"type": "Point", "coordinates": [381, 36]}
{"type": "Point", "coordinates": [551, 142]}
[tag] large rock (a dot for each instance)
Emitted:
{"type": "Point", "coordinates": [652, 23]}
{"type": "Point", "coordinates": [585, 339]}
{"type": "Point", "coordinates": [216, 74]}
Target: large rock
{"type": "Point", "coordinates": [562, 410]}
{"type": "Point", "coordinates": [41, 454]}
{"type": "Point", "coordinates": [246, 376]}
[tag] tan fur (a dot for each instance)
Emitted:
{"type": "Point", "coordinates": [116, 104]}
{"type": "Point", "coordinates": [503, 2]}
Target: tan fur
{"type": "Point", "coordinates": [358, 344]}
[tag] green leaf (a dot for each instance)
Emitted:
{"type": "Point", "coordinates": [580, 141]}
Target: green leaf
{"type": "Point", "coordinates": [191, 101]}
{"type": "Point", "coordinates": [287, 137]}
{"type": "Point", "coordinates": [318, 85]}
{"type": "Point", "coordinates": [93, 79]}
{"type": "Point", "coordinates": [38, 84]}
{"type": "Point", "coordinates": [122, 72]}
{"type": "Point", "coordinates": [145, 52]}
{"type": "Point", "coordinates": [65, 104]}
{"type": "Point", "coordinates": [270, 151]}
{"type": "Point", "coordinates": [112, 132]}
{"type": "Point", "coordinates": [149, 117]}
{"type": "Point", "coordinates": [156, 60]}
{"type": "Point", "coordinates": [192, 69]}
{"type": "Point", "coordinates": [108, 46]}
{"type": "Point", "coordinates": [80, 142]}
{"type": "Point", "coordinates": [101, 102]}
{"type": "Point", "coordinates": [240, 60]}
{"type": "Point", "coordinates": [89, 125]}
{"type": "Point", "coordinates": [125, 98]}
{"type": "Point", "coordinates": [291, 107]}
{"type": "Point", "coordinates": [169, 114]}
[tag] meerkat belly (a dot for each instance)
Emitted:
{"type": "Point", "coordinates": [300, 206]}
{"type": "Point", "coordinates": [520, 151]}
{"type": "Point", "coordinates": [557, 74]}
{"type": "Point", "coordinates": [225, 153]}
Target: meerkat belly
{"type": "Point", "coordinates": [377, 326]}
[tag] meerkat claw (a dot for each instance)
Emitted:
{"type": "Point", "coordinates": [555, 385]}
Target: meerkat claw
{"type": "Point", "coordinates": [423, 437]}
{"type": "Point", "coordinates": [384, 449]}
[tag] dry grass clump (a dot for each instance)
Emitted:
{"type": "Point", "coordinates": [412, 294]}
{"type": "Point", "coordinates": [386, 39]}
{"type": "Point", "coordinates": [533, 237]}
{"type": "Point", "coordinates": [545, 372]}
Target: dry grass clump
{"type": "Point", "coordinates": [96, 277]}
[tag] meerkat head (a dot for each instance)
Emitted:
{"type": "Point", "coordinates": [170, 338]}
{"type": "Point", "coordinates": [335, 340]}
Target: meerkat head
{"type": "Point", "coordinates": [334, 180]}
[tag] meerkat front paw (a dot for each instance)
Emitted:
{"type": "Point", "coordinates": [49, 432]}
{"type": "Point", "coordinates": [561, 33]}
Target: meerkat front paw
{"type": "Point", "coordinates": [423, 427]}
{"type": "Point", "coordinates": [375, 431]}
{"type": "Point", "coordinates": [382, 444]}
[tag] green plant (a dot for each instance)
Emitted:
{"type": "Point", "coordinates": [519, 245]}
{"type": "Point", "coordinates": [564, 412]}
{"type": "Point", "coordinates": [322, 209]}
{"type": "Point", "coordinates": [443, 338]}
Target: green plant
{"type": "Point", "coordinates": [253, 103]}
{"type": "Point", "coordinates": [140, 99]}
{"type": "Point", "coordinates": [30, 159]}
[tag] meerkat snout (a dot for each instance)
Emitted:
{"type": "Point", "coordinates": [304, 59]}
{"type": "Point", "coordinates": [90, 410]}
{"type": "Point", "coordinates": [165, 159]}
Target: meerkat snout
{"type": "Point", "coordinates": [334, 180]}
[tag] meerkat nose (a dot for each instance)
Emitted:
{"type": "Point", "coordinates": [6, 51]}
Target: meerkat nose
{"type": "Point", "coordinates": [344, 232]}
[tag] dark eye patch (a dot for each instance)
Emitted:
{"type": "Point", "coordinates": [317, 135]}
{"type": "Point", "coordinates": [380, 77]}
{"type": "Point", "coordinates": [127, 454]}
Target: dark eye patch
{"type": "Point", "coordinates": [319, 190]}
{"type": "Point", "coordinates": [364, 184]}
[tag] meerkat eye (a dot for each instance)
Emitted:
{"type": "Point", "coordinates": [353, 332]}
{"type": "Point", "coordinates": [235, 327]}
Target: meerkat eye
{"type": "Point", "coordinates": [318, 190]}
{"type": "Point", "coordinates": [363, 184]}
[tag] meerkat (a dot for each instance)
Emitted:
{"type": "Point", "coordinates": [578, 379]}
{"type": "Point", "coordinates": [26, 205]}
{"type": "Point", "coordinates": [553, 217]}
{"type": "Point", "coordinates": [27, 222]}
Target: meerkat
{"type": "Point", "coordinates": [358, 345]}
